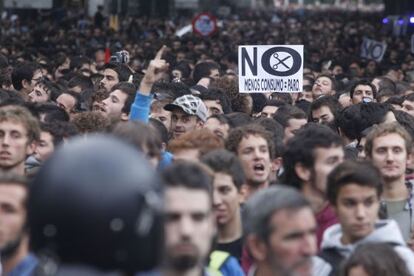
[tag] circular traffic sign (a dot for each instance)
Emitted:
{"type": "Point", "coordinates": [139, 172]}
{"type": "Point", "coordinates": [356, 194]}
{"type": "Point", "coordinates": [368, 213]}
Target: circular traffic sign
{"type": "Point", "coordinates": [205, 24]}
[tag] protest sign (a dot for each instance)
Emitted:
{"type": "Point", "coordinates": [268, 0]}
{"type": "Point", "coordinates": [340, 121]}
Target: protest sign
{"type": "Point", "coordinates": [371, 49]}
{"type": "Point", "coordinates": [270, 68]}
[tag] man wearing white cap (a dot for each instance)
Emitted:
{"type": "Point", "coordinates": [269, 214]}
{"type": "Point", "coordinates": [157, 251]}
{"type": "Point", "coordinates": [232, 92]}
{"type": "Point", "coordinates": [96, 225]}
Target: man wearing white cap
{"type": "Point", "coordinates": [188, 113]}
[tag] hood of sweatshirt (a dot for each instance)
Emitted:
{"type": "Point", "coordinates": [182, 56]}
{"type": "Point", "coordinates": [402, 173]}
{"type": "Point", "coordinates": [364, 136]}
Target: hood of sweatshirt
{"type": "Point", "coordinates": [385, 231]}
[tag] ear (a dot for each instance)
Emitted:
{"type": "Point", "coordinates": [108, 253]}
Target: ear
{"type": "Point", "coordinates": [31, 148]}
{"type": "Point", "coordinates": [276, 164]}
{"type": "Point", "coordinates": [303, 172]}
{"type": "Point", "coordinates": [163, 146]}
{"type": "Point", "coordinates": [124, 117]}
{"type": "Point", "coordinates": [25, 84]}
{"type": "Point", "coordinates": [213, 225]}
{"type": "Point", "coordinates": [409, 162]}
{"type": "Point", "coordinates": [199, 124]}
{"type": "Point", "coordinates": [256, 247]}
{"type": "Point", "coordinates": [243, 193]}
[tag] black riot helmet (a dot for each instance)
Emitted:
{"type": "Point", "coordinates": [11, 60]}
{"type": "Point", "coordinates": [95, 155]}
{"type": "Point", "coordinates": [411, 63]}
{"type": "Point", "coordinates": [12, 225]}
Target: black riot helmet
{"type": "Point", "coordinates": [97, 203]}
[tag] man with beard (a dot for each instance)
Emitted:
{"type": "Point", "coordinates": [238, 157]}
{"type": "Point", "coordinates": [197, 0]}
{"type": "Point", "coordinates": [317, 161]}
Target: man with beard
{"type": "Point", "coordinates": [189, 225]}
{"type": "Point", "coordinates": [16, 259]}
{"type": "Point", "coordinates": [118, 104]}
{"type": "Point", "coordinates": [363, 91]}
{"type": "Point", "coordinates": [388, 146]}
{"type": "Point", "coordinates": [113, 74]}
{"type": "Point", "coordinates": [324, 110]}
{"type": "Point", "coordinates": [324, 85]}
{"type": "Point", "coordinates": [280, 234]}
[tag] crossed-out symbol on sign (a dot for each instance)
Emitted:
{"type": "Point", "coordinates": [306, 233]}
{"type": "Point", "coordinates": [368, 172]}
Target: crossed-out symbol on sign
{"type": "Point", "coordinates": [281, 54]}
{"type": "Point", "coordinates": [280, 61]}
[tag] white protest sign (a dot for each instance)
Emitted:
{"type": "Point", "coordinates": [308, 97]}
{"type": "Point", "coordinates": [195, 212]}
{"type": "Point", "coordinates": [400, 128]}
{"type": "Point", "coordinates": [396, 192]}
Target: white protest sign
{"type": "Point", "coordinates": [270, 68]}
{"type": "Point", "coordinates": [372, 49]}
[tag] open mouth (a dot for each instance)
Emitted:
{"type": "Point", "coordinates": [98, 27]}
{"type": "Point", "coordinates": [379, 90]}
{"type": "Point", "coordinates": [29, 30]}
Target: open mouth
{"type": "Point", "coordinates": [259, 167]}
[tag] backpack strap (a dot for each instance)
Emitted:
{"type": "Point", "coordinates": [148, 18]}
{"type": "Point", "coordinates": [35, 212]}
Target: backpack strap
{"type": "Point", "coordinates": [217, 259]}
{"type": "Point", "coordinates": [333, 257]}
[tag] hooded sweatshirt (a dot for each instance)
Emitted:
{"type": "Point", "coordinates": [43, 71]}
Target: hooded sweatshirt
{"type": "Point", "coordinates": [386, 231]}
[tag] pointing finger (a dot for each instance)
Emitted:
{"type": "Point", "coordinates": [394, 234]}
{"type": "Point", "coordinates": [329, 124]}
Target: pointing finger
{"type": "Point", "coordinates": [160, 52]}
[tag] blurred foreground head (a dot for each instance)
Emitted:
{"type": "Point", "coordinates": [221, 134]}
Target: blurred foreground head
{"type": "Point", "coordinates": [95, 206]}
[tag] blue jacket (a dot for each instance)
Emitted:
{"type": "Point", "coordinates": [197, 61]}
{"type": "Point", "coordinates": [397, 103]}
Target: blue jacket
{"type": "Point", "coordinates": [140, 108]}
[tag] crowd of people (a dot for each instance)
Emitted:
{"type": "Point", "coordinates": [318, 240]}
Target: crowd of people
{"type": "Point", "coordinates": [132, 152]}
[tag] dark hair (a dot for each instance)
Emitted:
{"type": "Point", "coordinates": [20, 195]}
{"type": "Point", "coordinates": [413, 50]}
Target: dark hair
{"type": "Point", "coordinates": [236, 135]}
{"type": "Point", "coordinates": [76, 62]}
{"type": "Point", "coordinates": [283, 97]}
{"type": "Point", "coordinates": [376, 259]}
{"type": "Point", "coordinates": [301, 149]}
{"type": "Point", "coordinates": [395, 100]}
{"type": "Point", "coordinates": [386, 83]}
{"type": "Point", "coordinates": [353, 119]}
{"type": "Point", "coordinates": [189, 175]}
{"type": "Point", "coordinates": [276, 103]}
{"type": "Point", "coordinates": [170, 91]}
{"type": "Point", "coordinates": [406, 120]}
{"type": "Point", "coordinates": [4, 63]}
{"type": "Point", "coordinates": [224, 161]}
{"type": "Point", "coordinates": [50, 87]}
{"type": "Point", "coordinates": [409, 97]}
{"type": "Point", "coordinates": [24, 71]}
{"type": "Point", "coordinates": [203, 69]}
{"type": "Point", "coordinates": [362, 173]}
{"type": "Point", "coordinates": [213, 94]}
{"type": "Point", "coordinates": [122, 70]}
{"type": "Point", "coordinates": [276, 130]}
{"type": "Point", "coordinates": [223, 119]}
{"type": "Point", "coordinates": [238, 119]}
{"type": "Point", "coordinates": [51, 112]}
{"type": "Point", "coordinates": [363, 82]}
{"type": "Point", "coordinates": [160, 128]}
{"type": "Point", "coordinates": [130, 90]}
{"type": "Point", "coordinates": [82, 81]}
{"type": "Point", "coordinates": [287, 112]}
{"type": "Point", "coordinates": [53, 131]}
{"type": "Point", "coordinates": [384, 92]}
{"type": "Point", "coordinates": [66, 129]}
{"type": "Point", "coordinates": [77, 98]}
{"type": "Point", "coordinates": [334, 85]}
{"type": "Point", "coordinates": [185, 69]}
{"type": "Point", "coordinates": [329, 101]}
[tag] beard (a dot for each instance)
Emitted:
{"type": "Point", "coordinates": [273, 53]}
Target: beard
{"type": "Point", "coordinates": [183, 261]}
{"type": "Point", "coordinates": [294, 269]}
{"type": "Point", "coordinates": [10, 248]}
